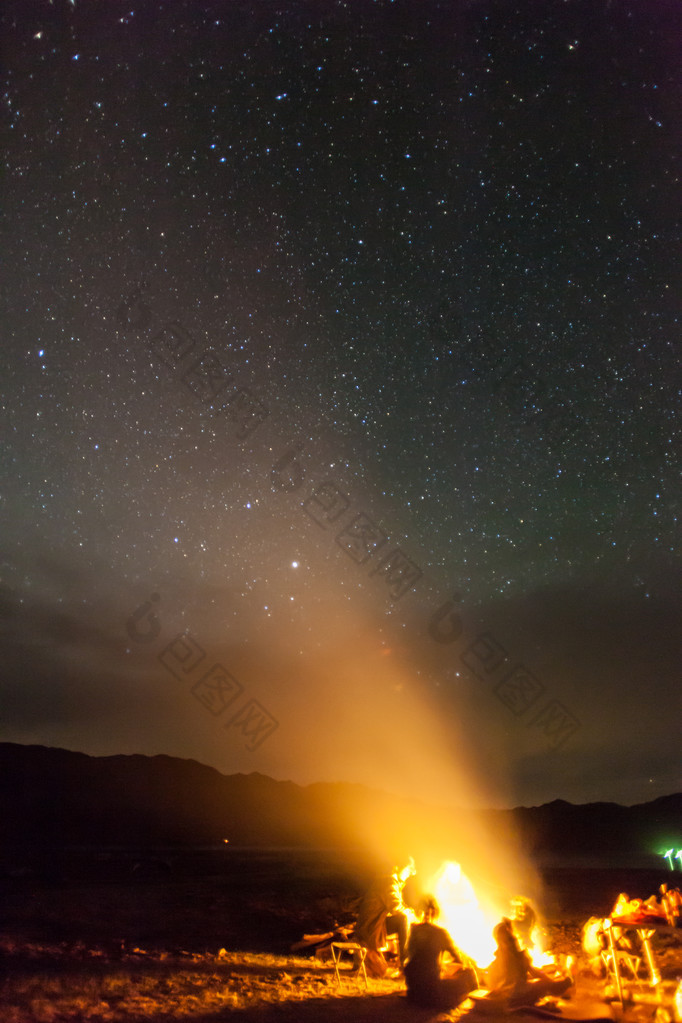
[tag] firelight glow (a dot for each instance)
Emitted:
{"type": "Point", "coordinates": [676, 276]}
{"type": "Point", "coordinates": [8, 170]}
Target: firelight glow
{"type": "Point", "coordinates": [424, 410]}
{"type": "Point", "coordinates": [470, 921]}
{"type": "Point", "coordinates": [462, 915]}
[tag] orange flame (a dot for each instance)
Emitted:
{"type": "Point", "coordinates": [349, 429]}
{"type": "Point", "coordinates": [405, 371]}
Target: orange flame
{"type": "Point", "coordinates": [469, 925]}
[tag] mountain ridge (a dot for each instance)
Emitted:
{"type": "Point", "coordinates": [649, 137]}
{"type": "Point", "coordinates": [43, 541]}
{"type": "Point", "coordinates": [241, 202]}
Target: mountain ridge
{"type": "Point", "coordinates": [64, 797]}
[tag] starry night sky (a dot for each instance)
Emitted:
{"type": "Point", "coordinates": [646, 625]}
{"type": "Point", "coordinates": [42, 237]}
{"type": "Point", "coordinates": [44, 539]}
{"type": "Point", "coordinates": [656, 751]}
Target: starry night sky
{"type": "Point", "coordinates": [340, 390]}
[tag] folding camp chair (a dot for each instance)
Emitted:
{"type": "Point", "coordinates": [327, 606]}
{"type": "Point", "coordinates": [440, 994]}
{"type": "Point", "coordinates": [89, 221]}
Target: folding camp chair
{"type": "Point", "coordinates": [359, 951]}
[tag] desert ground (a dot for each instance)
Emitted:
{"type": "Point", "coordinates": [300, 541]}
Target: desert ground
{"type": "Point", "coordinates": [205, 935]}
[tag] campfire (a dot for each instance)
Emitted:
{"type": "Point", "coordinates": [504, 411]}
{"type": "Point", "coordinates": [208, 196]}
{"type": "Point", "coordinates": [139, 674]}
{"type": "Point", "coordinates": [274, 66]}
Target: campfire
{"type": "Point", "coordinates": [461, 914]}
{"type": "Point", "coordinates": [470, 921]}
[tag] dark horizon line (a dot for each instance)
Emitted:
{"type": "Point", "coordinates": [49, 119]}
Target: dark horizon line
{"type": "Point", "coordinates": [289, 781]}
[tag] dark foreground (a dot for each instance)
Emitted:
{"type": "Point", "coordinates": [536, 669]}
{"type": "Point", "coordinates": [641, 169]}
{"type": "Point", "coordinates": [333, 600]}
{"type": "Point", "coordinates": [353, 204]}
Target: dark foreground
{"type": "Point", "coordinates": [197, 936]}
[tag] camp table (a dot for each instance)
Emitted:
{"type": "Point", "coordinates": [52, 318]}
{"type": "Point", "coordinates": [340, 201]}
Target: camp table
{"type": "Point", "coordinates": [644, 930]}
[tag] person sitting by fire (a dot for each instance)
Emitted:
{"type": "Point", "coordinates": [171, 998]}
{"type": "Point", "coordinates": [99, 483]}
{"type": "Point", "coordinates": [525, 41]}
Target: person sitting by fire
{"type": "Point", "coordinates": [671, 901]}
{"type": "Point", "coordinates": [382, 911]}
{"type": "Point", "coordinates": [524, 919]}
{"type": "Point", "coordinates": [512, 975]}
{"type": "Point", "coordinates": [595, 944]}
{"type": "Point", "coordinates": [430, 984]}
{"type": "Point", "coordinates": [426, 985]}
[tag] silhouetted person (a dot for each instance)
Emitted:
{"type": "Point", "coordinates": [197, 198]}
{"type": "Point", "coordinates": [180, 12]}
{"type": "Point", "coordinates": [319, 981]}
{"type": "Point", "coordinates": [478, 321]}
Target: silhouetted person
{"type": "Point", "coordinates": [512, 975]}
{"type": "Point", "coordinates": [671, 903]}
{"type": "Point", "coordinates": [383, 912]}
{"type": "Point", "coordinates": [524, 919]}
{"type": "Point", "coordinates": [425, 947]}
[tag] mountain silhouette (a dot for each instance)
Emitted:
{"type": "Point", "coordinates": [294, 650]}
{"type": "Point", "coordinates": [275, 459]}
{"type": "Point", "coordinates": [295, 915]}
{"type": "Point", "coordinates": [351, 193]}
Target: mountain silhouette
{"type": "Point", "coordinates": [56, 797]}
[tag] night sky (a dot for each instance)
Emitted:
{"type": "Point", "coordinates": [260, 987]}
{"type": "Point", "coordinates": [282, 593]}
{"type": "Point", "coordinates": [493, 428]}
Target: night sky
{"type": "Point", "coordinates": [340, 390]}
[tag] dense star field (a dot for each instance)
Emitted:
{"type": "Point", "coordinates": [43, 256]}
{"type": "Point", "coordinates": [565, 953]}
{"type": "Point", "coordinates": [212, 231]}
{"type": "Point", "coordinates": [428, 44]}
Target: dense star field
{"type": "Point", "coordinates": [341, 390]}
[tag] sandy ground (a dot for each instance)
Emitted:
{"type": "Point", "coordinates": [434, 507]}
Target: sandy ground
{"type": "Point", "coordinates": [191, 941]}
